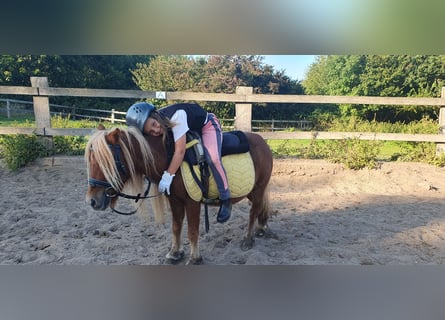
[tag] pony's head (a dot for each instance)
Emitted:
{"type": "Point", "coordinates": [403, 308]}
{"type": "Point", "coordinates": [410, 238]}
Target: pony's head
{"type": "Point", "coordinates": [116, 159]}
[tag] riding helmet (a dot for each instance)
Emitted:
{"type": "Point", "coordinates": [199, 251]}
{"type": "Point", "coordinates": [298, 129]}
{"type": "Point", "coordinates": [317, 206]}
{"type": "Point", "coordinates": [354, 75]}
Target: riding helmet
{"type": "Point", "coordinates": [138, 113]}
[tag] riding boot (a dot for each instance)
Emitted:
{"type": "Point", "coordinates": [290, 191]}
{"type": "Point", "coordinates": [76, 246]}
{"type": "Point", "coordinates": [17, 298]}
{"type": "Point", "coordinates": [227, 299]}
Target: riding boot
{"type": "Point", "coordinates": [224, 211]}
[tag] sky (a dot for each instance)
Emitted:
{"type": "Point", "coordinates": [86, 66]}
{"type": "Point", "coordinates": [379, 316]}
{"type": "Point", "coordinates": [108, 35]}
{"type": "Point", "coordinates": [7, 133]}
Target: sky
{"type": "Point", "coordinates": [294, 66]}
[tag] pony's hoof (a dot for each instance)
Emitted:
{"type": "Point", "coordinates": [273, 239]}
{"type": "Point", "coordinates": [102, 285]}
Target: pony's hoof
{"type": "Point", "coordinates": [174, 257]}
{"type": "Point", "coordinates": [247, 244]}
{"type": "Point", "coordinates": [265, 232]}
{"type": "Point", "coordinates": [195, 261]}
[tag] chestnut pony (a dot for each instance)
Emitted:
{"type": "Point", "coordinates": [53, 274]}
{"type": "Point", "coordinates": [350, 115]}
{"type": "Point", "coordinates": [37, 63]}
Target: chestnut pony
{"type": "Point", "coordinates": [124, 157]}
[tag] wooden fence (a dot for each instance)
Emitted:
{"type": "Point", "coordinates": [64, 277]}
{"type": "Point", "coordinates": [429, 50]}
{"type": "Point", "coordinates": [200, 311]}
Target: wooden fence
{"type": "Point", "coordinates": [243, 99]}
{"type": "Point", "coordinates": [13, 107]}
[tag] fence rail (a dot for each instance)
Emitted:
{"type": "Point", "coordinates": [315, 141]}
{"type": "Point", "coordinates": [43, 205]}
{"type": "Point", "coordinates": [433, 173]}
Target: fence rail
{"type": "Point", "coordinates": [243, 99]}
{"type": "Point", "coordinates": [223, 97]}
{"type": "Point", "coordinates": [13, 106]}
{"type": "Point", "coordinates": [278, 125]}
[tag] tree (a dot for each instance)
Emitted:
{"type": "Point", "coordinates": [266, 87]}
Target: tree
{"type": "Point", "coordinates": [216, 74]}
{"type": "Point", "coordinates": [316, 82]}
{"type": "Point", "coordinates": [379, 75]}
{"type": "Point", "coordinates": [166, 73]}
{"type": "Point", "coordinates": [78, 71]}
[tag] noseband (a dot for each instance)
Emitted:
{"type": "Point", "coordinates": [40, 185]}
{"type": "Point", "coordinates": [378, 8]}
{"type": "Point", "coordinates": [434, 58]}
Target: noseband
{"type": "Point", "coordinates": [110, 192]}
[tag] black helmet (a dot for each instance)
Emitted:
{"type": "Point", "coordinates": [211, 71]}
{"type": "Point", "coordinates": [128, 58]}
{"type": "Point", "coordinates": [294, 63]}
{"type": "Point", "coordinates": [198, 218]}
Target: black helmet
{"type": "Point", "coordinates": [138, 113]}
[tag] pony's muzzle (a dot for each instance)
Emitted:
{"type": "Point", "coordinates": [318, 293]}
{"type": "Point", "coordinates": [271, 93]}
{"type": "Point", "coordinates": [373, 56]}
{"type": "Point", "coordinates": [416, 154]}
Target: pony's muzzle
{"type": "Point", "coordinates": [99, 204]}
{"type": "Point", "coordinates": [93, 203]}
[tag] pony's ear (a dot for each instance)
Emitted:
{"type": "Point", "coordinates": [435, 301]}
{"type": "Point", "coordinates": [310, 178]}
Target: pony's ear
{"type": "Point", "coordinates": [100, 127]}
{"type": "Point", "coordinates": [113, 136]}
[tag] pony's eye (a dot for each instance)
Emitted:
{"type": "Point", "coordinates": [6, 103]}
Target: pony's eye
{"type": "Point", "coordinates": [110, 192]}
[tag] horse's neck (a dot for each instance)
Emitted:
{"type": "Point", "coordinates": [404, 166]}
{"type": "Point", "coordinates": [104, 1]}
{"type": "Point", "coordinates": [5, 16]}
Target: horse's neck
{"type": "Point", "coordinates": [159, 152]}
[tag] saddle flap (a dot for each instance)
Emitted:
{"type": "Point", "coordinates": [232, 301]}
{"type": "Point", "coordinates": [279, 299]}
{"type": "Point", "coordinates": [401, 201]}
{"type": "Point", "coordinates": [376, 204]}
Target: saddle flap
{"type": "Point", "coordinates": [240, 176]}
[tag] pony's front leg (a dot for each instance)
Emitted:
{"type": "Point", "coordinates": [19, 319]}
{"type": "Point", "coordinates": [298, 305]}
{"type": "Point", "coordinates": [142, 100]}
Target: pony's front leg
{"type": "Point", "coordinates": [193, 209]}
{"type": "Point", "coordinates": [176, 253]}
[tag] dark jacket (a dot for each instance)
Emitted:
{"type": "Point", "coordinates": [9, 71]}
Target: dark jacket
{"type": "Point", "coordinates": [196, 115]}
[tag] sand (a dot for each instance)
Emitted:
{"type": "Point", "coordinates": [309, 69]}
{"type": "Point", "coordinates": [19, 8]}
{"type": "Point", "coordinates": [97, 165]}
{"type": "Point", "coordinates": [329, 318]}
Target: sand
{"type": "Point", "coordinates": [323, 214]}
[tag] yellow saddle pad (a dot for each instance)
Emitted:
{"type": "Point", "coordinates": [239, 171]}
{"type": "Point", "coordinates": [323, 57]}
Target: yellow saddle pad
{"type": "Point", "coordinates": [240, 176]}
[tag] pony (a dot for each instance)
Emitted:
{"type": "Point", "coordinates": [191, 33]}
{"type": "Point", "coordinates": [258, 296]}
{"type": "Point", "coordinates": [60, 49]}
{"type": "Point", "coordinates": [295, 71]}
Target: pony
{"type": "Point", "coordinates": [118, 158]}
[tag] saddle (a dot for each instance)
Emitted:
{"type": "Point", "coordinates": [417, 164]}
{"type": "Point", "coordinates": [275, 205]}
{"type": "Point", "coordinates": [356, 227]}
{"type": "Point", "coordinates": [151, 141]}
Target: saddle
{"type": "Point", "coordinates": [197, 177]}
{"type": "Point", "coordinates": [233, 142]}
{"type": "Point", "coordinates": [236, 160]}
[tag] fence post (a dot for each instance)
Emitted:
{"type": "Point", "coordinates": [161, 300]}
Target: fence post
{"type": "Point", "coordinates": [112, 115]}
{"type": "Point", "coordinates": [243, 111]}
{"type": "Point", "coordinates": [8, 109]}
{"type": "Point", "coordinates": [41, 109]}
{"type": "Point", "coordinates": [41, 104]}
{"type": "Point", "coordinates": [440, 147]}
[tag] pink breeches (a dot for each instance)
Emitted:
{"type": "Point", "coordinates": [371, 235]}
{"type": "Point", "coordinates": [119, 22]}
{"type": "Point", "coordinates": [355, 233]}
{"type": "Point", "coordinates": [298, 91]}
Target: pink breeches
{"type": "Point", "coordinates": [212, 140]}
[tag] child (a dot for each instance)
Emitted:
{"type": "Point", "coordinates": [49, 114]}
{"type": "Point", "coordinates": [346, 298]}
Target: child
{"type": "Point", "coordinates": [180, 118]}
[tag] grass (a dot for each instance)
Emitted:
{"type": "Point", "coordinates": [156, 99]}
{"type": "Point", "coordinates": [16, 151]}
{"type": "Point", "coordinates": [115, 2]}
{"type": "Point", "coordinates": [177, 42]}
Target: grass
{"type": "Point", "coordinates": [388, 151]}
{"type": "Point", "coordinates": [23, 121]}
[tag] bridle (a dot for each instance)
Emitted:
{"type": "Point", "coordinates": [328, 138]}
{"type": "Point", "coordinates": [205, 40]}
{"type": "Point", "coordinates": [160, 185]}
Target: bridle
{"type": "Point", "coordinates": [110, 192]}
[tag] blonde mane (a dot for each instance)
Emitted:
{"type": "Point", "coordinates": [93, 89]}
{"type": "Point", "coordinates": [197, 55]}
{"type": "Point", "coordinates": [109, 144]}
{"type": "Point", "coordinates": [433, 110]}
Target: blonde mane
{"type": "Point", "coordinates": [131, 142]}
{"type": "Point", "coordinates": [135, 149]}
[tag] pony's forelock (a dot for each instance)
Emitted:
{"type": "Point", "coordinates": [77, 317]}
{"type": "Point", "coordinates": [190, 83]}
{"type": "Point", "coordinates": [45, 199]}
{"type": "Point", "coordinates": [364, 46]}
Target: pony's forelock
{"type": "Point", "coordinates": [131, 143]}
{"type": "Point", "coordinates": [99, 146]}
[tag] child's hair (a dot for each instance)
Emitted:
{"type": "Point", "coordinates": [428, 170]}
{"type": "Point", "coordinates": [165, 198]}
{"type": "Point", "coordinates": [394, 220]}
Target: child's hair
{"type": "Point", "coordinates": [165, 122]}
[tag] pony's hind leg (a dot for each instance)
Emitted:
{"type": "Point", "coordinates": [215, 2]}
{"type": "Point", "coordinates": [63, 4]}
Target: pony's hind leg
{"type": "Point", "coordinates": [259, 211]}
{"type": "Point", "coordinates": [263, 230]}
{"type": "Point", "coordinates": [249, 239]}
{"type": "Point", "coordinates": [176, 253]}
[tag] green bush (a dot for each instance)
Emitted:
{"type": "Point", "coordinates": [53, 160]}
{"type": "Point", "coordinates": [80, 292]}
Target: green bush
{"type": "Point", "coordinates": [70, 145]}
{"type": "Point", "coordinates": [438, 160]}
{"type": "Point", "coordinates": [316, 150]}
{"type": "Point", "coordinates": [18, 150]}
{"type": "Point", "coordinates": [355, 153]}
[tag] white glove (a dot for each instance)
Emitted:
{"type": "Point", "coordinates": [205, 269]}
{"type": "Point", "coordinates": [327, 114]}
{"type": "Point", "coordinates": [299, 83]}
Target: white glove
{"type": "Point", "coordinates": [166, 181]}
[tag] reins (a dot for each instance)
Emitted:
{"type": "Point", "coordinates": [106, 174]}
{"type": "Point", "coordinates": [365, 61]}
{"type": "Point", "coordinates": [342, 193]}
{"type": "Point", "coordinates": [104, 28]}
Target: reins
{"type": "Point", "coordinates": [110, 192]}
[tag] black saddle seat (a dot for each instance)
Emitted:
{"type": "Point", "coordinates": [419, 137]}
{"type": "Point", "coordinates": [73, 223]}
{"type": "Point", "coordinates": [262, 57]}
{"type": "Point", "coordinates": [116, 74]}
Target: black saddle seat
{"type": "Point", "coordinates": [234, 142]}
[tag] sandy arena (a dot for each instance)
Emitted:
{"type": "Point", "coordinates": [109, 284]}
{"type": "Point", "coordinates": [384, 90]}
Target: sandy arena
{"type": "Point", "coordinates": [323, 214]}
